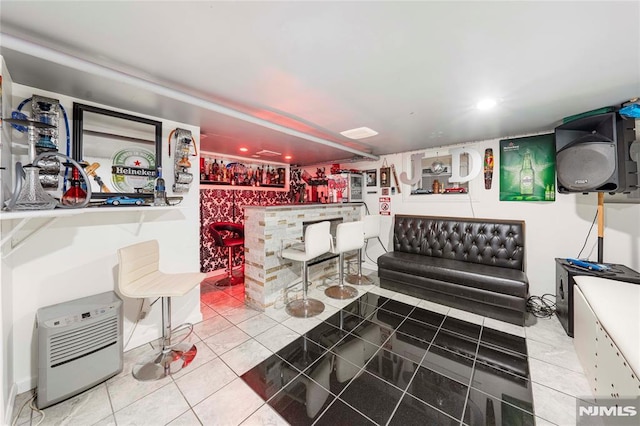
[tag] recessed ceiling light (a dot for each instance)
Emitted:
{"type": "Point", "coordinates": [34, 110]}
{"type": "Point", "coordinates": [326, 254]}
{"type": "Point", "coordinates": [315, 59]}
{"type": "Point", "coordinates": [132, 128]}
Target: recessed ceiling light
{"type": "Point", "coordinates": [243, 149]}
{"type": "Point", "coordinates": [359, 133]}
{"type": "Point", "coordinates": [287, 157]}
{"type": "Point", "coordinates": [486, 104]}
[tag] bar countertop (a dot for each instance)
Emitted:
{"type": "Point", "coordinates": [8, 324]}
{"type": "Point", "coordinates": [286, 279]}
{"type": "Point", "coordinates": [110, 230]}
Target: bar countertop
{"type": "Point", "coordinates": [295, 206]}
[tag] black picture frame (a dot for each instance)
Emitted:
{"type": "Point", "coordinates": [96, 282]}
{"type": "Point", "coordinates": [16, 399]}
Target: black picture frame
{"type": "Point", "coordinates": [385, 177]}
{"type": "Point", "coordinates": [127, 131]}
{"type": "Point", "coordinates": [372, 177]}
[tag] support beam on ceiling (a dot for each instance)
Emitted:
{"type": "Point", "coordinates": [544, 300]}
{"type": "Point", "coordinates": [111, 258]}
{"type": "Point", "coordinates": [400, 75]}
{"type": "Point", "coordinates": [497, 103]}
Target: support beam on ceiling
{"type": "Point", "coordinates": [39, 51]}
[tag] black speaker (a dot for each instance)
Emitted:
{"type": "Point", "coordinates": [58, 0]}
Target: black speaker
{"type": "Point", "coordinates": [593, 154]}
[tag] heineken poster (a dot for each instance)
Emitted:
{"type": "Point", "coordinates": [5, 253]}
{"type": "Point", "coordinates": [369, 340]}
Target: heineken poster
{"type": "Point", "coordinates": [528, 169]}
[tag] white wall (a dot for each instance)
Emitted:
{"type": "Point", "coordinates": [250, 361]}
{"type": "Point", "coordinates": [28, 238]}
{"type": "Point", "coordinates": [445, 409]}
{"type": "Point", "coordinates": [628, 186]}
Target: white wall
{"type": "Point", "coordinates": [76, 257]}
{"type": "Point", "coordinates": [553, 229]}
{"type": "Point", "coordinates": [7, 390]}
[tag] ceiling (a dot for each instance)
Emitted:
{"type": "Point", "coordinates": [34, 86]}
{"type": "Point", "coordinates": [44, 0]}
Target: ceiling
{"type": "Point", "coordinates": [290, 76]}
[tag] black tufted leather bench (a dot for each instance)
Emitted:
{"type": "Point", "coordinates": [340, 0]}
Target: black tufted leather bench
{"type": "Point", "coordinates": [471, 264]}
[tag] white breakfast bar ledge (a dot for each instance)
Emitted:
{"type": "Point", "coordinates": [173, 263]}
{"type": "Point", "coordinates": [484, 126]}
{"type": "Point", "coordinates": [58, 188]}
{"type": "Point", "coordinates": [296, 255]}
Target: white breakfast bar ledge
{"type": "Point", "coordinates": [266, 276]}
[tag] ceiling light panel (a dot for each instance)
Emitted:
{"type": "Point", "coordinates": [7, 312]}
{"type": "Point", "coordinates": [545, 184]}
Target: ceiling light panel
{"type": "Point", "coordinates": [359, 133]}
{"type": "Point", "coordinates": [267, 153]}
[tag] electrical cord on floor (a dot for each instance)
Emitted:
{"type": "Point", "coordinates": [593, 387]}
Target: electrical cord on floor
{"type": "Point", "coordinates": [33, 408]}
{"type": "Point", "coordinates": [542, 306]}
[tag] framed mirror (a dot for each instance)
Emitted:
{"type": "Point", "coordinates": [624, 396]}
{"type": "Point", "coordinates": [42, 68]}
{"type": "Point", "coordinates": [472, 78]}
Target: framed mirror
{"type": "Point", "coordinates": [122, 152]}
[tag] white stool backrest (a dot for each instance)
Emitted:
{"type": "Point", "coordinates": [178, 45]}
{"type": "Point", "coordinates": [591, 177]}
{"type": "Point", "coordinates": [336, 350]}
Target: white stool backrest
{"type": "Point", "coordinates": [317, 239]}
{"type": "Point", "coordinates": [371, 226]}
{"type": "Point", "coordinates": [349, 236]}
{"type": "Point", "coordinates": [135, 262]}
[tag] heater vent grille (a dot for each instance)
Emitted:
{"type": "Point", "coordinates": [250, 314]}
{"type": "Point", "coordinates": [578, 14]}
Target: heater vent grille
{"type": "Point", "coordinates": [71, 345]}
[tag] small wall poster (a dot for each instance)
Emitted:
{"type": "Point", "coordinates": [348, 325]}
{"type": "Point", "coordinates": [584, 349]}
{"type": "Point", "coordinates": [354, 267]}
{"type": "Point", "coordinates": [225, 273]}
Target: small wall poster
{"type": "Point", "coordinates": [385, 206]}
{"type": "Point", "coordinates": [528, 169]}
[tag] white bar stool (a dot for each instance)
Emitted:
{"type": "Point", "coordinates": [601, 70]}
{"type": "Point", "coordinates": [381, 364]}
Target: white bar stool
{"type": "Point", "coordinates": [317, 241]}
{"type": "Point", "coordinates": [371, 230]}
{"type": "Point", "coordinates": [349, 236]}
{"type": "Point", "coordinates": [139, 277]}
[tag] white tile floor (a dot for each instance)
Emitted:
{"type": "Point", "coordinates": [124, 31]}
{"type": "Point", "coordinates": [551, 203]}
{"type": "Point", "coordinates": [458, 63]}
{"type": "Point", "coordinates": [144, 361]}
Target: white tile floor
{"type": "Point", "coordinates": [233, 338]}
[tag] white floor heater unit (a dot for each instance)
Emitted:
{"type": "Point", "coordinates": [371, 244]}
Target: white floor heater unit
{"type": "Point", "coordinates": [79, 346]}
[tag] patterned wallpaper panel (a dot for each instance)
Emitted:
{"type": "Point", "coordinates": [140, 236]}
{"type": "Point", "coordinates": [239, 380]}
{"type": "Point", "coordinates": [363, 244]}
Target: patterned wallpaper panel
{"type": "Point", "coordinates": [225, 205]}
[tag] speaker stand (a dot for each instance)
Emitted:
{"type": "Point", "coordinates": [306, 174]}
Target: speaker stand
{"type": "Point", "coordinates": [600, 227]}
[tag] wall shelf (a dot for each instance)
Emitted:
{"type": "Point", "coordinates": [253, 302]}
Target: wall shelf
{"type": "Point", "coordinates": [22, 218]}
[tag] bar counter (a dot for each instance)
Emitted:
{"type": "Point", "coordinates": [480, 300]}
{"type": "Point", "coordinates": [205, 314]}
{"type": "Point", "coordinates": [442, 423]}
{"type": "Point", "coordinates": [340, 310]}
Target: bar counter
{"type": "Point", "coordinates": [265, 228]}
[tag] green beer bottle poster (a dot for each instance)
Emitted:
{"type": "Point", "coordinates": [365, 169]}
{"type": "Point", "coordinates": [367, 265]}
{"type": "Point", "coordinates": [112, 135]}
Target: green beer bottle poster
{"type": "Point", "coordinates": [528, 169]}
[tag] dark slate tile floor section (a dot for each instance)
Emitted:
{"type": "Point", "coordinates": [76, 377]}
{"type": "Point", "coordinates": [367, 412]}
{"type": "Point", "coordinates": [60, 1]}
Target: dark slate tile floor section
{"type": "Point", "coordinates": [383, 362]}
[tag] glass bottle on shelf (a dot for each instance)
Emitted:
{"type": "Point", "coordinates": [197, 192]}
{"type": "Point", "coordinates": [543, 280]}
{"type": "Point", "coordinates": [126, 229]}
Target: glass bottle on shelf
{"type": "Point", "coordinates": [267, 176]}
{"type": "Point", "coordinates": [75, 194]}
{"type": "Point", "coordinates": [222, 173]}
{"type": "Point", "coordinates": [210, 176]}
{"type": "Point", "coordinates": [159, 191]}
{"type": "Point", "coordinates": [250, 176]}
{"type": "Point", "coordinates": [32, 196]}
{"type": "Point", "coordinates": [259, 176]}
{"type": "Point", "coordinates": [215, 170]}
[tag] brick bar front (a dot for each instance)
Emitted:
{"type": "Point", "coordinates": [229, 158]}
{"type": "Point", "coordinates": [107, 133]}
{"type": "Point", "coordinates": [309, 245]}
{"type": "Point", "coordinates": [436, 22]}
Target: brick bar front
{"type": "Point", "coordinates": [266, 229]}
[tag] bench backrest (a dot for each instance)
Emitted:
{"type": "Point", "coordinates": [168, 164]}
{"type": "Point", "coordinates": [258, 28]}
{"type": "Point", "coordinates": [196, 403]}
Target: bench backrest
{"type": "Point", "coordinates": [486, 241]}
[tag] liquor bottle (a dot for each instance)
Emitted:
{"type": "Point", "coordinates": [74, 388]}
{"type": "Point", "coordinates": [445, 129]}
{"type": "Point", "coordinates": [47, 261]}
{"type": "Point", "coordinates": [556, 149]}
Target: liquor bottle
{"type": "Point", "coordinates": [222, 173]}
{"type": "Point", "coordinates": [214, 170]}
{"type": "Point", "coordinates": [267, 176]}
{"type": "Point", "coordinates": [526, 175]}
{"type": "Point", "coordinates": [210, 175]}
{"type": "Point", "coordinates": [202, 168]}
{"type": "Point", "coordinates": [159, 191]}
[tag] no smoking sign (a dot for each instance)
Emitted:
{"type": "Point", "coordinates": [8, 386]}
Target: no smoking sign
{"type": "Point", "coordinates": [385, 206]}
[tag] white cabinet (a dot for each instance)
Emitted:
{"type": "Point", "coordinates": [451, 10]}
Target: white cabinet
{"type": "Point", "coordinates": [606, 369]}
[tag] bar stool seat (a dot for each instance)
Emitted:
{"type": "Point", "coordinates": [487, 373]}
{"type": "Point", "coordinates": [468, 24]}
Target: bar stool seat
{"type": "Point", "coordinates": [234, 238]}
{"type": "Point", "coordinates": [349, 236]}
{"type": "Point", "coordinates": [317, 241]}
{"type": "Point", "coordinates": [371, 230]}
{"type": "Point", "coordinates": [139, 277]}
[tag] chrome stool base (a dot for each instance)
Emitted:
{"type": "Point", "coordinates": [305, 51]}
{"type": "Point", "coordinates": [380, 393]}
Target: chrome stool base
{"type": "Point", "coordinates": [341, 292]}
{"type": "Point", "coordinates": [163, 364]}
{"type": "Point", "coordinates": [359, 280]}
{"type": "Point", "coordinates": [304, 308]}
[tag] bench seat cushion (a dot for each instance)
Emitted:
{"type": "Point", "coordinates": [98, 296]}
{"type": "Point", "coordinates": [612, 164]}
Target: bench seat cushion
{"type": "Point", "coordinates": [616, 304]}
{"type": "Point", "coordinates": [495, 279]}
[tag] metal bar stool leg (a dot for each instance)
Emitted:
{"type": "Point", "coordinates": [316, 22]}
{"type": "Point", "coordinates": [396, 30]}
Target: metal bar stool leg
{"type": "Point", "coordinates": [171, 358]}
{"type": "Point", "coordinates": [230, 279]}
{"type": "Point", "coordinates": [359, 279]}
{"type": "Point", "coordinates": [305, 307]}
{"type": "Point", "coordinates": [341, 291]}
